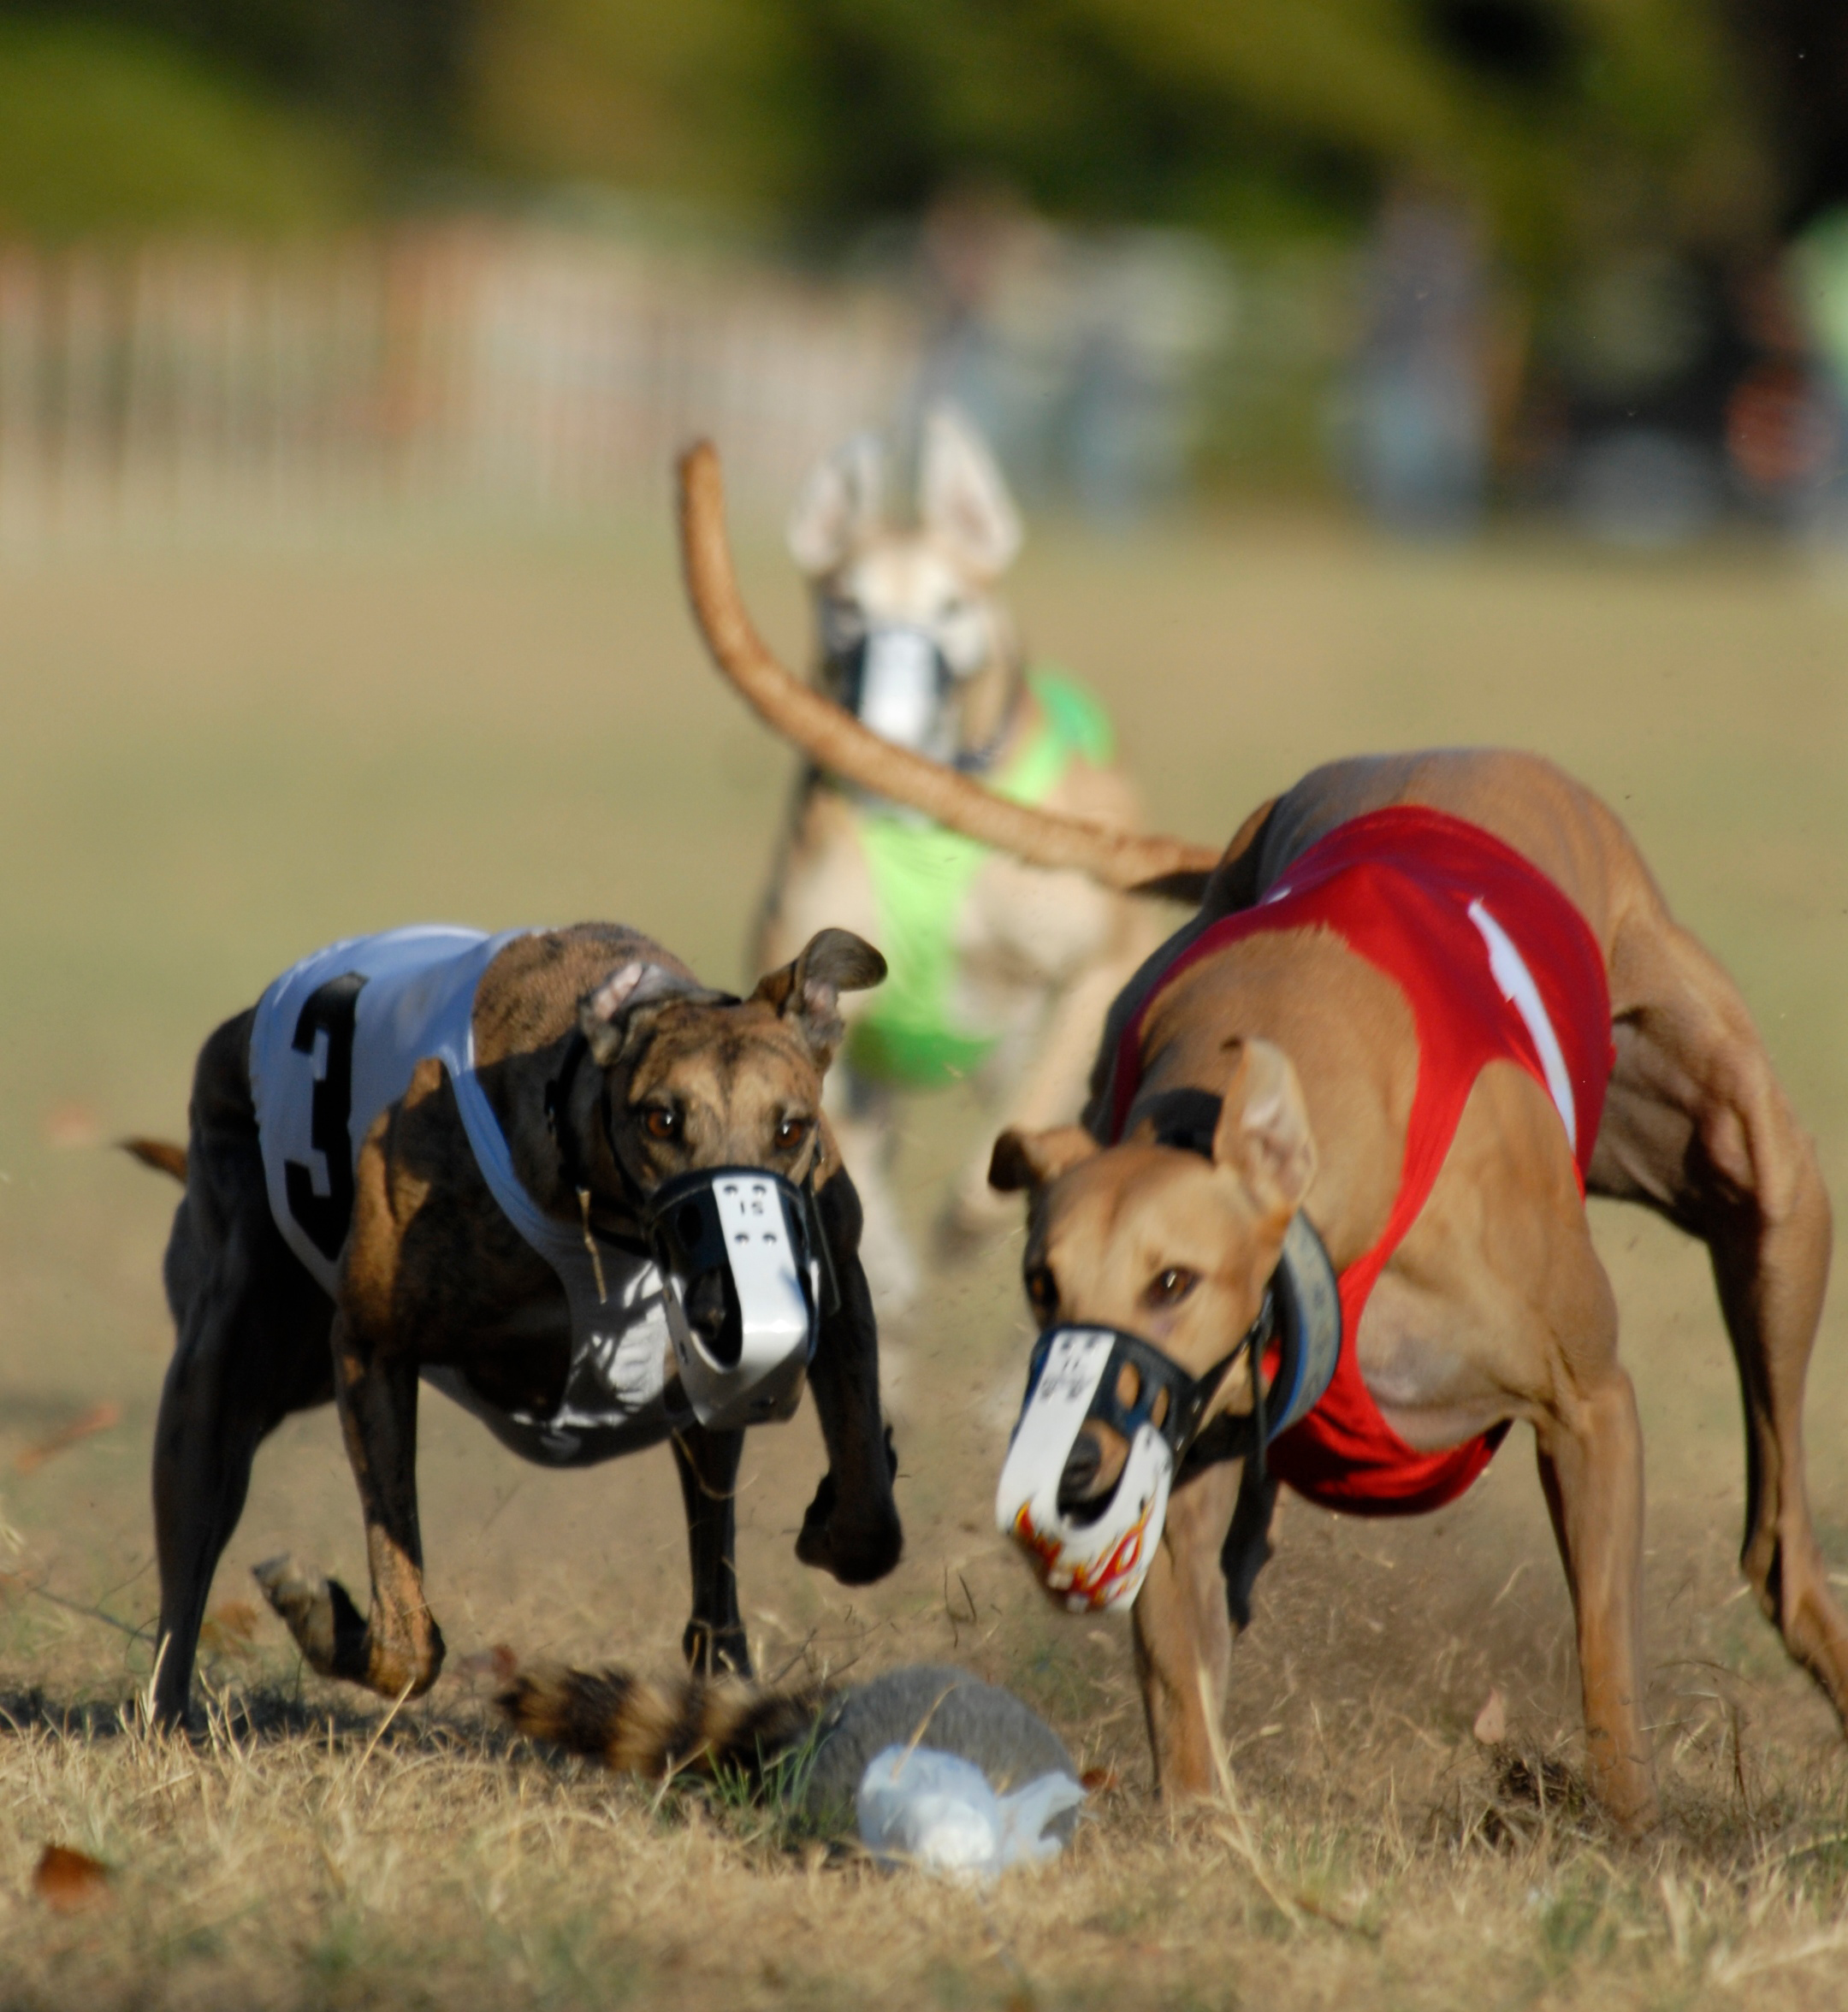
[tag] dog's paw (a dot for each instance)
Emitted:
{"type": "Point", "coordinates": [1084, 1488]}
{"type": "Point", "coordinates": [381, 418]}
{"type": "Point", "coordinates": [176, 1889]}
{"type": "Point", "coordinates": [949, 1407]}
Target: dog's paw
{"type": "Point", "coordinates": [329, 1629]}
{"type": "Point", "coordinates": [856, 1549]}
{"type": "Point", "coordinates": [716, 1652]}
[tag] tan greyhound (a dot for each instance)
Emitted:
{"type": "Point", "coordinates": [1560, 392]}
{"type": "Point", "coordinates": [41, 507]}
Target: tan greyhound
{"type": "Point", "coordinates": [997, 973]}
{"type": "Point", "coordinates": [1271, 1072]}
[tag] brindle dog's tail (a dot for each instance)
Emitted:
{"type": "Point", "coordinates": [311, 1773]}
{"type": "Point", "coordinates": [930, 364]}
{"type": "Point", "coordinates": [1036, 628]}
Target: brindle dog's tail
{"type": "Point", "coordinates": [638, 1726]}
{"type": "Point", "coordinates": [837, 741]}
{"type": "Point", "coordinates": [161, 1154]}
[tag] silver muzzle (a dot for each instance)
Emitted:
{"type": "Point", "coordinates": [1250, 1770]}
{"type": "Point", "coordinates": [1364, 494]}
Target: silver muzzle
{"type": "Point", "coordinates": [896, 680]}
{"type": "Point", "coordinates": [742, 1268]}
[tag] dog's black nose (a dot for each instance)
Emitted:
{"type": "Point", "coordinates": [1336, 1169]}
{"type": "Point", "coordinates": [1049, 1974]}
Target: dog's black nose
{"type": "Point", "coordinates": [1078, 1480]}
{"type": "Point", "coordinates": [711, 1313]}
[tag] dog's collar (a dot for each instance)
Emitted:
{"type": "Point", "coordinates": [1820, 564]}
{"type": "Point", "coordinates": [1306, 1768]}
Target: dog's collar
{"type": "Point", "coordinates": [633, 1207]}
{"type": "Point", "coordinates": [1308, 1334]}
{"type": "Point", "coordinates": [980, 760]}
{"type": "Point", "coordinates": [1156, 1374]}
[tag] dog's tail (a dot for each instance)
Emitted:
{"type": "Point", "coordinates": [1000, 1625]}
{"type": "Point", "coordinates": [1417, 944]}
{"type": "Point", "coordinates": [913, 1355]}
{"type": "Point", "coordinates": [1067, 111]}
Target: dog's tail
{"type": "Point", "coordinates": [161, 1154]}
{"type": "Point", "coordinates": [638, 1726]}
{"type": "Point", "coordinates": [836, 741]}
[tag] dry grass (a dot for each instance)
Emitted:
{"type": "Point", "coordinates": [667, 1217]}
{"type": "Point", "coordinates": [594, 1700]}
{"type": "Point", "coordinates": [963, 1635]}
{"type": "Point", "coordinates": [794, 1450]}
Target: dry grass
{"type": "Point", "coordinates": [205, 770]}
{"type": "Point", "coordinates": [287, 1861]}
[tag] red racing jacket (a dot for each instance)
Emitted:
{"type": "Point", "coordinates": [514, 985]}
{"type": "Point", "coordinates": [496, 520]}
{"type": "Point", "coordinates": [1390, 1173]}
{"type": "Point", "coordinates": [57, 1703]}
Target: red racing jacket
{"type": "Point", "coordinates": [1496, 965]}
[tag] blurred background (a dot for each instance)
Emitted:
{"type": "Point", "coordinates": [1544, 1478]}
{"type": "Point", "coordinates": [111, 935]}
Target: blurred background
{"type": "Point", "coordinates": [1375, 373]}
{"type": "Point", "coordinates": [1438, 259]}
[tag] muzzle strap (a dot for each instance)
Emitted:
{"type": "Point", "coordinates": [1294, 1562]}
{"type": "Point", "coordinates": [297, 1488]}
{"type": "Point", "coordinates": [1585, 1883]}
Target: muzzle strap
{"type": "Point", "coordinates": [1154, 1375]}
{"type": "Point", "coordinates": [1306, 1296]}
{"type": "Point", "coordinates": [633, 1206]}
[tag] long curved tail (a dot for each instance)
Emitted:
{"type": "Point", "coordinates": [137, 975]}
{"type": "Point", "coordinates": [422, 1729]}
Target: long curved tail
{"type": "Point", "coordinates": [161, 1154]}
{"type": "Point", "coordinates": [834, 739]}
{"type": "Point", "coordinates": [638, 1726]}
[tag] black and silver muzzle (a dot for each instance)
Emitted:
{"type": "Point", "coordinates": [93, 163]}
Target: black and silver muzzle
{"type": "Point", "coordinates": [895, 679]}
{"type": "Point", "coordinates": [744, 1276]}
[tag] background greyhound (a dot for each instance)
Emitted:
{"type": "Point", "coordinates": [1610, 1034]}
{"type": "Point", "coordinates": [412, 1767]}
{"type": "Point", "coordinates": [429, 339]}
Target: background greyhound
{"type": "Point", "coordinates": [1494, 1305]}
{"type": "Point", "coordinates": [434, 1277]}
{"type": "Point", "coordinates": [996, 970]}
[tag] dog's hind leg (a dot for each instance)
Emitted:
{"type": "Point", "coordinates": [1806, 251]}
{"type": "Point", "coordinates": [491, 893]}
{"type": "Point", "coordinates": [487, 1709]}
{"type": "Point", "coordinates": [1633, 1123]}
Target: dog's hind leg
{"type": "Point", "coordinates": [1589, 1442]}
{"type": "Point", "coordinates": [1696, 1126]}
{"type": "Point", "coordinates": [397, 1650]}
{"type": "Point", "coordinates": [205, 1441]}
{"type": "Point", "coordinates": [248, 1353]}
{"type": "Point", "coordinates": [707, 1463]}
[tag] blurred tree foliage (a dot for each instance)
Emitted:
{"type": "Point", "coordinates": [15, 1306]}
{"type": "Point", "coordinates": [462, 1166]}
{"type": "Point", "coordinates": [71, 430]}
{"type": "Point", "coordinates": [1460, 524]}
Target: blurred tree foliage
{"type": "Point", "coordinates": [390, 70]}
{"type": "Point", "coordinates": [1569, 123]}
{"type": "Point", "coordinates": [103, 127]}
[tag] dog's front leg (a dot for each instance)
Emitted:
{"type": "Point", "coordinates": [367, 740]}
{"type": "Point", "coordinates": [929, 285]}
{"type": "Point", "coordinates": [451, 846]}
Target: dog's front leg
{"type": "Point", "coordinates": [1182, 1630]}
{"type": "Point", "coordinates": [399, 1650]}
{"type": "Point", "coordinates": [851, 1527]}
{"type": "Point", "coordinates": [1591, 1454]}
{"type": "Point", "coordinates": [714, 1641]}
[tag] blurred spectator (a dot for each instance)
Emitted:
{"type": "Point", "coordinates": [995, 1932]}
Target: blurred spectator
{"type": "Point", "coordinates": [1648, 346]}
{"type": "Point", "coordinates": [1819, 277]}
{"type": "Point", "coordinates": [1420, 442]}
{"type": "Point", "coordinates": [1692, 397]}
{"type": "Point", "coordinates": [1781, 419]}
{"type": "Point", "coordinates": [1081, 357]}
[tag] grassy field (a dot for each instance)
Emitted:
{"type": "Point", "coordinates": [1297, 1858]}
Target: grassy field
{"type": "Point", "coordinates": [209, 766]}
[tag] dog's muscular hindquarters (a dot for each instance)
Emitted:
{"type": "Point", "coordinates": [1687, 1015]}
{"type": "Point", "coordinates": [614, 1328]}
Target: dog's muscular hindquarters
{"type": "Point", "coordinates": [434, 1275]}
{"type": "Point", "coordinates": [1494, 1305]}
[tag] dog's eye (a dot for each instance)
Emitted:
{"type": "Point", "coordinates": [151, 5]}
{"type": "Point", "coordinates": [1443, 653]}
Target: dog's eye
{"type": "Point", "coordinates": [661, 1121]}
{"type": "Point", "coordinates": [1168, 1288]}
{"type": "Point", "coordinates": [1042, 1290]}
{"type": "Point", "coordinates": [791, 1133]}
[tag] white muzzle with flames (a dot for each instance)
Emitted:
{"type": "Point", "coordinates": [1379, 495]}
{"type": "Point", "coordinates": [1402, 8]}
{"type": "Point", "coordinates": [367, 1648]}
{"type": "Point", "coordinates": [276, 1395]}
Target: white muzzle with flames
{"type": "Point", "coordinates": [1097, 1557]}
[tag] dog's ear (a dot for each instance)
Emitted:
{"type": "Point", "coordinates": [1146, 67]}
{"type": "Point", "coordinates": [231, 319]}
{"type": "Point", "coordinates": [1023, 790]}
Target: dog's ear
{"type": "Point", "coordinates": [962, 501]}
{"type": "Point", "coordinates": [808, 992]}
{"type": "Point", "coordinates": [1263, 1136]}
{"type": "Point", "coordinates": [606, 1016]}
{"type": "Point", "coordinates": [1027, 1159]}
{"type": "Point", "coordinates": [839, 504]}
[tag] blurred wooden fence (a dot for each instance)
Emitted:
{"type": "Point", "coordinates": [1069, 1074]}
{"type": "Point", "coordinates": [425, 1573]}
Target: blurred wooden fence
{"type": "Point", "coordinates": [177, 385]}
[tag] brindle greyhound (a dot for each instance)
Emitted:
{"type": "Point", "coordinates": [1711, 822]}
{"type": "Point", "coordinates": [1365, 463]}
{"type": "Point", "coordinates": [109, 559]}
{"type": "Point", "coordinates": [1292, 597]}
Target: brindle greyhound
{"type": "Point", "coordinates": [433, 1277]}
{"type": "Point", "coordinates": [1494, 1306]}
